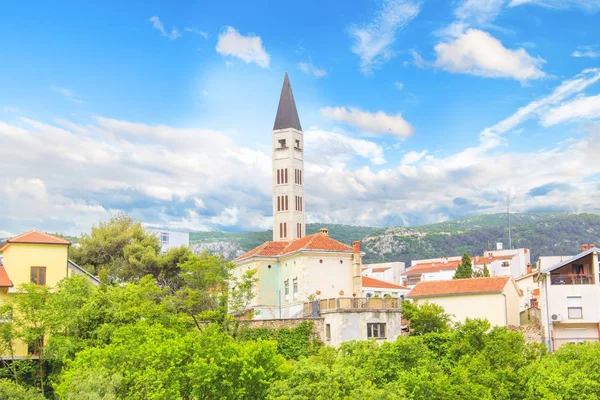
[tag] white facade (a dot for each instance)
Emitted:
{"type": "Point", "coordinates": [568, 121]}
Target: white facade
{"type": "Point", "coordinates": [345, 325]}
{"type": "Point", "coordinates": [171, 239]}
{"type": "Point", "coordinates": [570, 300]}
{"type": "Point", "coordinates": [389, 272]}
{"type": "Point", "coordinates": [516, 266]}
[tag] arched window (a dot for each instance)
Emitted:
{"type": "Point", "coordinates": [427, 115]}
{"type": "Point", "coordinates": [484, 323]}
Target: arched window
{"type": "Point", "coordinates": [286, 203]}
{"type": "Point", "coordinates": [280, 230]}
{"type": "Point", "coordinates": [286, 176]}
{"type": "Point", "coordinates": [278, 180]}
{"type": "Point", "coordinates": [285, 229]}
{"type": "Point", "coordinates": [278, 203]}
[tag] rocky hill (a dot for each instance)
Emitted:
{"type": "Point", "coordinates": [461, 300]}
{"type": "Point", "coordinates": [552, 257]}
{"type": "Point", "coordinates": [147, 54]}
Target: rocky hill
{"type": "Point", "coordinates": [543, 234]}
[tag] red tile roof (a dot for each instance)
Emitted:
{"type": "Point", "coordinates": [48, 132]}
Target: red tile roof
{"type": "Point", "coordinates": [315, 242]}
{"type": "Point", "coordinates": [35, 237]}
{"type": "Point", "coordinates": [459, 286]}
{"type": "Point", "coordinates": [4, 279]}
{"type": "Point", "coordinates": [432, 267]}
{"type": "Point", "coordinates": [376, 283]}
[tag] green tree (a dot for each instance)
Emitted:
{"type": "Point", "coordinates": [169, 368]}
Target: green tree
{"type": "Point", "coordinates": [486, 271]}
{"type": "Point", "coordinates": [12, 391]}
{"type": "Point", "coordinates": [425, 318]}
{"type": "Point", "coordinates": [121, 246]}
{"type": "Point", "coordinates": [465, 268]}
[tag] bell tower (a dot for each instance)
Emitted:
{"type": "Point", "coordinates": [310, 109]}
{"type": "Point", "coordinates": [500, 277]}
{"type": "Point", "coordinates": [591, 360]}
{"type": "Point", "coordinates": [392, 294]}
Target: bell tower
{"type": "Point", "coordinates": [288, 169]}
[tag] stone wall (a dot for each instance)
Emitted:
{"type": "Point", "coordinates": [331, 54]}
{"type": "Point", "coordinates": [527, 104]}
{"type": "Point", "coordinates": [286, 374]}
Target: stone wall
{"type": "Point", "coordinates": [532, 333]}
{"type": "Point", "coordinates": [318, 326]}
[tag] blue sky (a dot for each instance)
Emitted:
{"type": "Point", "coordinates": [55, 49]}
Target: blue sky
{"type": "Point", "coordinates": [414, 111]}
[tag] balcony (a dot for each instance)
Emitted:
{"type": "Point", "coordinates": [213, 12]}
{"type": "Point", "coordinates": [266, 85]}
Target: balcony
{"type": "Point", "coordinates": [356, 304]}
{"type": "Point", "coordinates": [571, 279]}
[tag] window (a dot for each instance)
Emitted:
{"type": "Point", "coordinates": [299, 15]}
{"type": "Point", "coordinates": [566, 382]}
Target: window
{"type": "Point", "coordinates": [38, 275]}
{"type": "Point", "coordinates": [280, 230]}
{"type": "Point", "coordinates": [286, 176]}
{"type": "Point", "coordinates": [164, 237]}
{"type": "Point", "coordinates": [300, 174]}
{"type": "Point", "coordinates": [285, 229]}
{"type": "Point", "coordinates": [295, 287]}
{"type": "Point", "coordinates": [298, 230]}
{"type": "Point", "coordinates": [376, 330]}
{"type": "Point", "coordinates": [327, 331]}
{"type": "Point", "coordinates": [575, 312]}
{"type": "Point", "coordinates": [281, 144]}
{"type": "Point", "coordinates": [505, 264]}
{"type": "Point", "coordinates": [286, 203]}
{"type": "Point", "coordinates": [298, 143]}
{"type": "Point", "coordinates": [287, 289]}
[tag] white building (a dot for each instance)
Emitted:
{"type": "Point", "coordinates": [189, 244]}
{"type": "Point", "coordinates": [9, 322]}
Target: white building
{"type": "Point", "coordinates": [509, 262]}
{"type": "Point", "coordinates": [570, 299]}
{"type": "Point", "coordinates": [313, 275]}
{"type": "Point", "coordinates": [170, 239]}
{"type": "Point", "coordinates": [388, 272]}
{"type": "Point", "coordinates": [495, 298]}
{"type": "Point", "coordinates": [375, 288]}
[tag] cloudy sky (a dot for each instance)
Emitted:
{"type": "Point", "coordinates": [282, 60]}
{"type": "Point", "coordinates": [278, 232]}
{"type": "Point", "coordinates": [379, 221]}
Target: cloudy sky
{"type": "Point", "coordinates": [414, 111]}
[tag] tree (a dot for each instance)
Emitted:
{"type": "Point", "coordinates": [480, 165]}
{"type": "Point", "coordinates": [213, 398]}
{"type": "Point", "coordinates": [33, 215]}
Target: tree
{"type": "Point", "coordinates": [425, 318]}
{"type": "Point", "coordinates": [486, 271]}
{"type": "Point", "coordinates": [12, 391]}
{"type": "Point", "coordinates": [121, 246]}
{"type": "Point", "coordinates": [465, 268]}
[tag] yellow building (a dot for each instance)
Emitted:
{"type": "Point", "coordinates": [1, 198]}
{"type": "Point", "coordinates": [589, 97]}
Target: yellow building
{"type": "Point", "coordinates": [35, 257]}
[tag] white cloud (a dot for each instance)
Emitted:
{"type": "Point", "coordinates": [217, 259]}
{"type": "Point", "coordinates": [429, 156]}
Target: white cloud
{"type": "Point", "coordinates": [158, 25]}
{"type": "Point", "coordinates": [10, 109]}
{"type": "Point", "coordinates": [197, 32]}
{"type": "Point", "coordinates": [373, 41]}
{"type": "Point", "coordinates": [413, 157]}
{"type": "Point", "coordinates": [66, 93]}
{"type": "Point", "coordinates": [204, 92]}
{"type": "Point", "coordinates": [567, 89]}
{"type": "Point", "coordinates": [477, 52]}
{"type": "Point", "coordinates": [587, 5]}
{"type": "Point", "coordinates": [577, 109]}
{"type": "Point", "coordinates": [378, 122]}
{"type": "Point", "coordinates": [586, 51]}
{"type": "Point", "coordinates": [399, 85]}
{"type": "Point", "coordinates": [310, 69]}
{"type": "Point", "coordinates": [417, 61]}
{"type": "Point", "coordinates": [481, 12]}
{"type": "Point", "coordinates": [330, 148]}
{"type": "Point", "coordinates": [247, 48]}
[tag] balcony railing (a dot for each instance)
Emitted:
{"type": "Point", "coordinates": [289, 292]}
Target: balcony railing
{"type": "Point", "coordinates": [571, 279]}
{"type": "Point", "coordinates": [351, 303]}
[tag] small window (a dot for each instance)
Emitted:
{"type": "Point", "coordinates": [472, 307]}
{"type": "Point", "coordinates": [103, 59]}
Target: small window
{"type": "Point", "coordinates": [282, 144]}
{"type": "Point", "coordinates": [164, 237]}
{"type": "Point", "coordinates": [298, 143]}
{"type": "Point", "coordinates": [505, 264]}
{"type": "Point", "coordinates": [287, 289]}
{"type": "Point", "coordinates": [575, 313]}
{"type": "Point", "coordinates": [295, 287]}
{"type": "Point", "coordinates": [327, 331]}
{"type": "Point", "coordinates": [38, 275]}
{"type": "Point", "coordinates": [376, 330]}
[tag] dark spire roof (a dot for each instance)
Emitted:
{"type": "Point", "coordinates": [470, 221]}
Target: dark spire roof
{"type": "Point", "coordinates": [287, 115]}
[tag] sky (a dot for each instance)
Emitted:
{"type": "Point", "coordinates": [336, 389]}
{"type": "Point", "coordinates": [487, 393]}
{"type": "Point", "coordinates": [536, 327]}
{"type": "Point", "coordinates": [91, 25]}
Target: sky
{"type": "Point", "coordinates": [414, 111]}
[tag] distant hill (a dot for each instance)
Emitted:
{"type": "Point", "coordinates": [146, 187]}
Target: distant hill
{"type": "Point", "coordinates": [543, 234]}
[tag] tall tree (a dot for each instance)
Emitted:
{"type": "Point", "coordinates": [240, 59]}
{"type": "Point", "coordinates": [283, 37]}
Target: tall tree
{"type": "Point", "coordinates": [486, 271]}
{"type": "Point", "coordinates": [465, 268]}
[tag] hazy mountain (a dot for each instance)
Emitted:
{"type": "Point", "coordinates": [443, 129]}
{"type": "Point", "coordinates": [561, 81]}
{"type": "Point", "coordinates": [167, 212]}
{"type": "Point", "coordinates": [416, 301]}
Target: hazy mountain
{"type": "Point", "coordinates": [543, 234]}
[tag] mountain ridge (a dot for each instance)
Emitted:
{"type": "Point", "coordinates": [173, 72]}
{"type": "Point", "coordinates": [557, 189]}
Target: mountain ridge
{"type": "Point", "coordinates": [542, 233]}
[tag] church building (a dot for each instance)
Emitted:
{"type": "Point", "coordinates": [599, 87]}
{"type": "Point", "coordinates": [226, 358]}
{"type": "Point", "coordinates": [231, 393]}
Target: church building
{"type": "Point", "coordinates": [294, 267]}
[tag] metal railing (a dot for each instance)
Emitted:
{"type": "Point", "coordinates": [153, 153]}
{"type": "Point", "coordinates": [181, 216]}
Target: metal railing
{"type": "Point", "coordinates": [351, 303]}
{"type": "Point", "coordinates": [571, 279]}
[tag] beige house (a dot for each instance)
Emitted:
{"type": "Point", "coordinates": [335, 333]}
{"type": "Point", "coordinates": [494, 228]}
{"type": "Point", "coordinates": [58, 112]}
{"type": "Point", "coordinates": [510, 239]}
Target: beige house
{"type": "Point", "coordinates": [570, 299]}
{"type": "Point", "coordinates": [495, 299]}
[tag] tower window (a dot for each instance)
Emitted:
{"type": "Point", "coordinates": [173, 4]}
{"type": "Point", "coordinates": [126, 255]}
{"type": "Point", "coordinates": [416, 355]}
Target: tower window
{"type": "Point", "coordinates": [286, 203]}
{"type": "Point", "coordinates": [278, 204]}
{"type": "Point", "coordinates": [285, 229]}
{"type": "Point", "coordinates": [300, 172]}
{"type": "Point", "coordinates": [286, 176]}
{"type": "Point", "coordinates": [280, 230]}
{"type": "Point", "coordinates": [282, 144]}
{"type": "Point", "coordinates": [298, 144]}
{"type": "Point", "coordinates": [278, 177]}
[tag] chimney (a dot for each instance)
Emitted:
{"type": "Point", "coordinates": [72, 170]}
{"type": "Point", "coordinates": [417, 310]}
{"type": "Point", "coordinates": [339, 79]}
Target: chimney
{"type": "Point", "coordinates": [324, 231]}
{"type": "Point", "coordinates": [529, 268]}
{"type": "Point", "coordinates": [356, 246]}
{"type": "Point", "coordinates": [584, 247]}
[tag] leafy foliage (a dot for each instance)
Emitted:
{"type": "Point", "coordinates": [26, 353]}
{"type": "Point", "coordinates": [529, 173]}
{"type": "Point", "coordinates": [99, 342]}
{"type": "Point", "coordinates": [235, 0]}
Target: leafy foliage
{"type": "Point", "coordinates": [425, 318]}
{"type": "Point", "coordinates": [292, 343]}
{"type": "Point", "coordinates": [464, 269]}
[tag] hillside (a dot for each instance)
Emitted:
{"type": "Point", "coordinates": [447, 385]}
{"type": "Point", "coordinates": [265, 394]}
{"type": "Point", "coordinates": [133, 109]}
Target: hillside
{"type": "Point", "coordinates": [544, 234]}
